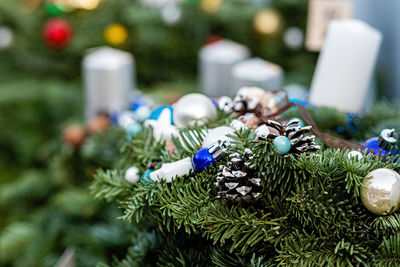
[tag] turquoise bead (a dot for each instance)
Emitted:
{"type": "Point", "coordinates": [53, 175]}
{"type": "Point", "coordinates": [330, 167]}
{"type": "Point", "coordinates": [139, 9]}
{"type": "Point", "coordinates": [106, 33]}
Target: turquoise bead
{"type": "Point", "coordinates": [282, 145]}
{"type": "Point", "coordinates": [146, 177]}
{"type": "Point", "coordinates": [132, 130]}
{"type": "Point", "coordinates": [142, 113]}
{"type": "Point", "coordinates": [301, 123]}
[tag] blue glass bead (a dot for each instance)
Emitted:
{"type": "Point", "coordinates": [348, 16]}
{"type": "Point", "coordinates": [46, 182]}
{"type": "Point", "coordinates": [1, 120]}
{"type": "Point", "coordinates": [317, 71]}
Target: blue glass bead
{"type": "Point", "coordinates": [301, 123]}
{"type": "Point", "coordinates": [373, 143]}
{"type": "Point", "coordinates": [132, 130]}
{"type": "Point", "coordinates": [142, 113]}
{"type": "Point", "coordinates": [156, 113]}
{"type": "Point", "coordinates": [202, 159]}
{"type": "Point", "coordinates": [340, 129]}
{"type": "Point", "coordinates": [146, 177]}
{"type": "Point", "coordinates": [138, 102]}
{"type": "Point", "coordinates": [282, 145]}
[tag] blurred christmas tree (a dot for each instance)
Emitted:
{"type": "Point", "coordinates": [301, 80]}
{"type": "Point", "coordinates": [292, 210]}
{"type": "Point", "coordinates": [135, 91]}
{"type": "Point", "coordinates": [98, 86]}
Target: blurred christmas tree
{"type": "Point", "coordinates": [44, 203]}
{"type": "Point", "coordinates": [54, 34]}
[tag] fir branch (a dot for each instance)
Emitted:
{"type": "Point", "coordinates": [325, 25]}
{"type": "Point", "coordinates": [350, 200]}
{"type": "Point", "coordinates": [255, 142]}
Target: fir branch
{"type": "Point", "coordinates": [109, 184]}
{"type": "Point", "coordinates": [389, 251]}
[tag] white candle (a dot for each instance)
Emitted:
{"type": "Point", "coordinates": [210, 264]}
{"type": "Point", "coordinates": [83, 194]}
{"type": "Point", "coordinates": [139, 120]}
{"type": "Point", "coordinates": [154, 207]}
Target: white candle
{"type": "Point", "coordinates": [256, 72]}
{"type": "Point", "coordinates": [216, 61]}
{"type": "Point", "coordinates": [345, 66]}
{"type": "Point", "coordinates": [109, 79]}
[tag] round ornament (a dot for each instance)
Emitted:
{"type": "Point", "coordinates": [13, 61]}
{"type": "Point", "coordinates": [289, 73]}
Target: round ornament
{"type": "Point", "coordinates": [282, 145]}
{"type": "Point", "coordinates": [293, 38]}
{"type": "Point", "coordinates": [57, 33]}
{"type": "Point", "coordinates": [171, 13]}
{"type": "Point", "coordinates": [142, 113]}
{"type": "Point", "coordinates": [267, 22]}
{"type": "Point", "coordinates": [210, 6]}
{"type": "Point", "coordinates": [225, 103]}
{"type": "Point", "coordinates": [146, 176]}
{"type": "Point", "coordinates": [132, 175]}
{"type": "Point", "coordinates": [203, 159]}
{"type": "Point", "coordinates": [217, 134]}
{"type": "Point", "coordinates": [6, 37]}
{"type": "Point", "coordinates": [126, 118]}
{"type": "Point", "coordinates": [98, 124]}
{"type": "Point", "coordinates": [55, 8]}
{"type": "Point", "coordinates": [386, 143]}
{"type": "Point", "coordinates": [132, 130]}
{"type": "Point", "coordinates": [193, 107]}
{"type": "Point", "coordinates": [116, 34]}
{"type": "Point", "coordinates": [75, 135]}
{"type": "Point", "coordinates": [380, 191]}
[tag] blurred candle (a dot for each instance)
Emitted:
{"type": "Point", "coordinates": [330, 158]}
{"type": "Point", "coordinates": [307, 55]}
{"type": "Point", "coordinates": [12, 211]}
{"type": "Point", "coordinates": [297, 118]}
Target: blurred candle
{"type": "Point", "coordinates": [109, 79]}
{"type": "Point", "coordinates": [216, 61]}
{"type": "Point", "coordinates": [345, 66]}
{"type": "Point", "coordinates": [256, 72]}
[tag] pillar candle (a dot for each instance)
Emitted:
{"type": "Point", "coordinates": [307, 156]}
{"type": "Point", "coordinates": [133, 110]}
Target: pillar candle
{"type": "Point", "coordinates": [109, 79]}
{"type": "Point", "coordinates": [345, 66]}
{"type": "Point", "coordinates": [216, 61]}
{"type": "Point", "coordinates": [256, 72]}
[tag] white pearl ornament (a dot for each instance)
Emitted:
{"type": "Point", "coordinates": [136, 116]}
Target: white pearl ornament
{"type": "Point", "coordinates": [132, 175]}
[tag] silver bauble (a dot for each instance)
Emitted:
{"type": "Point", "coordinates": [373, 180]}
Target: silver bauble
{"type": "Point", "coordinates": [217, 134]}
{"type": "Point", "coordinates": [380, 191]}
{"type": "Point", "coordinates": [193, 107]}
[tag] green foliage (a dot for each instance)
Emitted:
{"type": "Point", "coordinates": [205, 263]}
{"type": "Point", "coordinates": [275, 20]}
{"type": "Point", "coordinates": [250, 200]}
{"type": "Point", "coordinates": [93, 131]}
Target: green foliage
{"type": "Point", "coordinates": [310, 213]}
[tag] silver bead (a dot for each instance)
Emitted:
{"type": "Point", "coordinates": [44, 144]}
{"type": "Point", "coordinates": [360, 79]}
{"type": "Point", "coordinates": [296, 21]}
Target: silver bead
{"type": "Point", "coordinates": [225, 103]}
{"type": "Point", "coordinates": [193, 107]}
{"type": "Point", "coordinates": [380, 191]}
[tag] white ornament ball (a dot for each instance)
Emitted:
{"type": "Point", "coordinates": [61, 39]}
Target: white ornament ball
{"type": "Point", "coordinates": [293, 38]}
{"type": "Point", "coordinates": [142, 113]}
{"type": "Point", "coordinates": [132, 175]}
{"type": "Point", "coordinates": [355, 154]}
{"type": "Point", "coordinates": [193, 107]}
{"type": "Point", "coordinates": [171, 13]}
{"type": "Point", "coordinates": [217, 134]}
{"type": "Point", "coordinates": [126, 118]}
{"type": "Point", "coordinates": [6, 37]}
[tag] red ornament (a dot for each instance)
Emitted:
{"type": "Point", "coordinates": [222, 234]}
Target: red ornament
{"type": "Point", "coordinates": [213, 39]}
{"type": "Point", "coordinates": [57, 32]}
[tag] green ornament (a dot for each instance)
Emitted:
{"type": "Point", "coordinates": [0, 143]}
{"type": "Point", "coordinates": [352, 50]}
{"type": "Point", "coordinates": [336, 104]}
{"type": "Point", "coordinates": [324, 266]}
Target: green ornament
{"type": "Point", "coordinates": [54, 9]}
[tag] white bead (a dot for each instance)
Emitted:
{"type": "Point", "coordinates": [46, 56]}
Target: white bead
{"type": "Point", "coordinates": [354, 154]}
{"type": "Point", "coordinates": [225, 103]}
{"type": "Point", "coordinates": [126, 118]}
{"type": "Point", "coordinates": [132, 175]}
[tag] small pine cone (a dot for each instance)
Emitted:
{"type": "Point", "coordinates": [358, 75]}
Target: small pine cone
{"type": "Point", "coordinates": [299, 141]}
{"type": "Point", "coordinates": [238, 181]}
